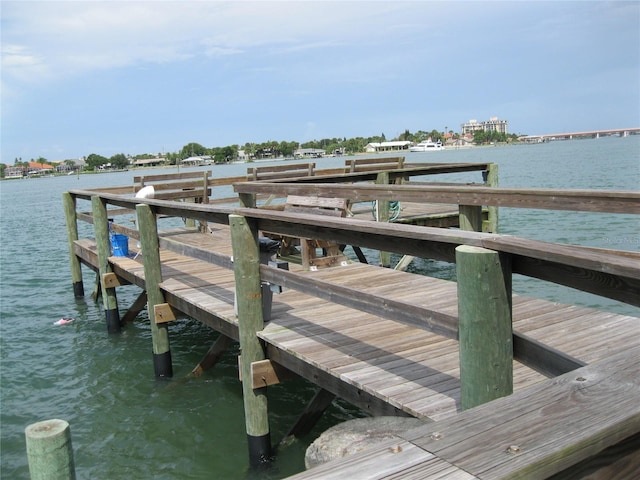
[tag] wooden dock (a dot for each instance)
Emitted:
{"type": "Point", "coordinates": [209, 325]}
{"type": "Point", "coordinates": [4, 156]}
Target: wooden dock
{"type": "Point", "coordinates": [408, 368]}
{"type": "Point", "coordinates": [386, 340]}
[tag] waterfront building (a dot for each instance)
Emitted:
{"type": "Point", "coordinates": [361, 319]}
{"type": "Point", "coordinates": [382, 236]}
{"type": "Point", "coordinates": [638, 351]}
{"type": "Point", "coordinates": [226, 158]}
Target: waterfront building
{"type": "Point", "coordinates": [309, 153]}
{"type": "Point", "coordinates": [375, 147]}
{"type": "Point", "coordinates": [149, 162]}
{"type": "Point", "coordinates": [492, 125]}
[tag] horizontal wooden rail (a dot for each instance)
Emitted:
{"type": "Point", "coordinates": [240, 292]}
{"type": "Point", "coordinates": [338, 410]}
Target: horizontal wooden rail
{"type": "Point", "coordinates": [603, 201]}
{"type": "Point", "coordinates": [339, 175]}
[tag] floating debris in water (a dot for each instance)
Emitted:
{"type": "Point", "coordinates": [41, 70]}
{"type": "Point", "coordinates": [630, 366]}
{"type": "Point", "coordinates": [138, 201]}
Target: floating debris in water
{"type": "Point", "coordinates": [64, 321]}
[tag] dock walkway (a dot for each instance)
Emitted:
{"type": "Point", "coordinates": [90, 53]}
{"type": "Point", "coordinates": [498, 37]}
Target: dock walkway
{"type": "Point", "coordinates": [351, 352]}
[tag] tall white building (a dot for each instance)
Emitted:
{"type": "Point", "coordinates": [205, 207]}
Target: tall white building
{"type": "Point", "coordinates": [492, 125]}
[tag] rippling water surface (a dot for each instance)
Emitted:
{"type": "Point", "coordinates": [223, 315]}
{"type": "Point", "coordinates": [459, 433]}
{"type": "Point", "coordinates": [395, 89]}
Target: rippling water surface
{"type": "Point", "coordinates": [124, 423]}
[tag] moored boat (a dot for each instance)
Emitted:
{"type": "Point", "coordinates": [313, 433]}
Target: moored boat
{"type": "Point", "coordinates": [427, 146]}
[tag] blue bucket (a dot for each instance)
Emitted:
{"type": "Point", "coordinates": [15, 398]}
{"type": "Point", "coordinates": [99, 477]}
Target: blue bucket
{"type": "Point", "coordinates": [120, 245]}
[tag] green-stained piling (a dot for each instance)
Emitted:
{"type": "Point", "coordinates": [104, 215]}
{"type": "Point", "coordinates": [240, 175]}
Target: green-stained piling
{"type": "Point", "coordinates": [153, 278]}
{"type": "Point", "coordinates": [69, 205]}
{"type": "Point", "coordinates": [49, 450]}
{"type": "Point", "coordinates": [485, 329]}
{"type": "Point", "coordinates": [103, 245]}
{"type": "Point", "coordinates": [246, 262]}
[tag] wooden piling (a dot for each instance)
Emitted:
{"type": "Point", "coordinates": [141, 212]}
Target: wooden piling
{"type": "Point", "coordinates": [485, 328]}
{"type": "Point", "coordinates": [148, 229]}
{"type": "Point", "coordinates": [49, 450]}
{"type": "Point", "coordinates": [246, 262]}
{"type": "Point", "coordinates": [69, 204]}
{"type": "Point", "coordinates": [103, 245]}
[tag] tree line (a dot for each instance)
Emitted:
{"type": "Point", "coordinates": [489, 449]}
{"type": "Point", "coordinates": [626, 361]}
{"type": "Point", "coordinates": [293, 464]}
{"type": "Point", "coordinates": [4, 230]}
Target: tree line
{"type": "Point", "coordinates": [271, 149]}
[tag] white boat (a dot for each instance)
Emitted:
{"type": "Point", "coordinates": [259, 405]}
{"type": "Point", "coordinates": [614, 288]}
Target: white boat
{"type": "Point", "coordinates": [427, 146]}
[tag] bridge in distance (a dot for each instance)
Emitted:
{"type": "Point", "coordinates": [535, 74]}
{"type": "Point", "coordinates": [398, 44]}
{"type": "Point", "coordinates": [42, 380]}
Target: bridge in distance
{"type": "Point", "coordinates": [622, 132]}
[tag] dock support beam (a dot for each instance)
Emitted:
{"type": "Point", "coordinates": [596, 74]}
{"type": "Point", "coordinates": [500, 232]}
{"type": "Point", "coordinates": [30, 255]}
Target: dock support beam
{"type": "Point", "coordinates": [69, 204]}
{"type": "Point", "coordinates": [485, 328]}
{"type": "Point", "coordinates": [153, 278]}
{"type": "Point", "coordinates": [246, 265]}
{"type": "Point", "coordinates": [103, 245]}
{"type": "Point", "coordinates": [310, 416]}
{"type": "Point", "coordinates": [213, 355]}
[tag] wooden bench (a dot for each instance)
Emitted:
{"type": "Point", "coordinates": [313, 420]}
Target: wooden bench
{"type": "Point", "coordinates": [354, 165]}
{"type": "Point", "coordinates": [280, 172]}
{"type": "Point", "coordinates": [275, 173]}
{"type": "Point", "coordinates": [314, 253]}
{"type": "Point", "coordinates": [372, 165]}
{"type": "Point", "coordinates": [194, 186]}
{"type": "Point", "coordinates": [187, 187]}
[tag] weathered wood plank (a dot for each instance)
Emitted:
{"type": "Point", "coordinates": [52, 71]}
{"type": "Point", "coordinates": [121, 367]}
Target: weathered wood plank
{"type": "Point", "coordinates": [392, 459]}
{"type": "Point", "coordinates": [535, 433]}
{"type": "Point", "coordinates": [579, 414]}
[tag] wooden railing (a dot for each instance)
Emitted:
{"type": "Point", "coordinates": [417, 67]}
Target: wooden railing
{"type": "Point", "coordinates": [610, 273]}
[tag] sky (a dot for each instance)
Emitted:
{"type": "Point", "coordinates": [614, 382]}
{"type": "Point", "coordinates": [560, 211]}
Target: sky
{"type": "Point", "coordinates": [109, 77]}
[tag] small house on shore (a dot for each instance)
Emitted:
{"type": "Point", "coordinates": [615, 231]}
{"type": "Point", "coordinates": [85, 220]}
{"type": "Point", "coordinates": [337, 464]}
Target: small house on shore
{"type": "Point", "coordinates": [376, 147]}
{"type": "Point", "coordinates": [309, 153]}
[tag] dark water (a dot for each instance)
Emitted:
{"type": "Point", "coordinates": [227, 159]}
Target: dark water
{"type": "Point", "coordinates": [127, 425]}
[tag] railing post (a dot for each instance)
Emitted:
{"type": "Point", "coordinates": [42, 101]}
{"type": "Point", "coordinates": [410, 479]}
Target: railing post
{"type": "Point", "coordinates": [382, 215]}
{"type": "Point", "coordinates": [470, 217]}
{"type": "Point", "coordinates": [485, 327]}
{"type": "Point", "coordinates": [149, 245]}
{"type": "Point", "coordinates": [103, 245]}
{"type": "Point", "coordinates": [247, 200]}
{"type": "Point", "coordinates": [69, 204]}
{"type": "Point", "coordinates": [189, 222]}
{"type": "Point", "coordinates": [49, 450]}
{"type": "Point", "coordinates": [491, 180]}
{"type": "Point", "coordinates": [246, 264]}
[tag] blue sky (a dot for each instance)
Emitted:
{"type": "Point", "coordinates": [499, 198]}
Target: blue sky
{"type": "Point", "coordinates": [84, 77]}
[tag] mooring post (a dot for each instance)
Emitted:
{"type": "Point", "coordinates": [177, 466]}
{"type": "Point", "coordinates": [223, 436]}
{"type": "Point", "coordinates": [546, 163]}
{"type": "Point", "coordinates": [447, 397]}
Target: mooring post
{"type": "Point", "coordinates": [103, 245]}
{"type": "Point", "coordinates": [49, 450]}
{"type": "Point", "coordinates": [148, 229]}
{"type": "Point", "coordinates": [69, 204]}
{"type": "Point", "coordinates": [246, 265]}
{"type": "Point", "coordinates": [485, 328]}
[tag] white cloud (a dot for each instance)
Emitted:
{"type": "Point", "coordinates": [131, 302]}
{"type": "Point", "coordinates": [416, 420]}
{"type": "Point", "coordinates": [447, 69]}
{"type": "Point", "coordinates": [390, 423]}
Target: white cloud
{"type": "Point", "coordinates": [71, 37]}
{"type": "Point", "coordinates": [20, 62]}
